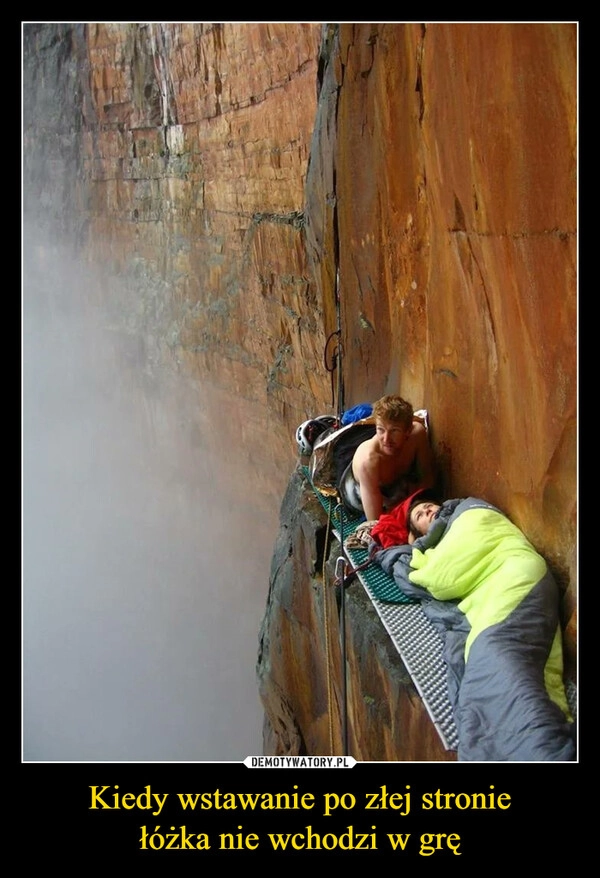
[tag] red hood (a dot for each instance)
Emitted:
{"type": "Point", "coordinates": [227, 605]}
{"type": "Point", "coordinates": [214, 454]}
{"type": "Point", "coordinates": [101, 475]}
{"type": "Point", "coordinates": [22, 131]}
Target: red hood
{"type": "Point", "coordinates": [392, 527]}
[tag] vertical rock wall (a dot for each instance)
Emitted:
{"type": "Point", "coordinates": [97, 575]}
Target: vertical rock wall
{"type": "Point", "coordinates": [443, 183]}
{"type": "Point", "coordinates": [453, 150]}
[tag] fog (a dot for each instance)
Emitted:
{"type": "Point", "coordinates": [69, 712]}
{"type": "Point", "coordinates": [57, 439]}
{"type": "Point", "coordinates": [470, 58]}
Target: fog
{"type": "Point", "coordinates": [144, 578]}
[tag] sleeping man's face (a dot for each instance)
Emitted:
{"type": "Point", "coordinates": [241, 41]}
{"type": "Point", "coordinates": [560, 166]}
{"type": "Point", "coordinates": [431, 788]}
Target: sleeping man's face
{"type": "Point", "coordinates": [421, 516]}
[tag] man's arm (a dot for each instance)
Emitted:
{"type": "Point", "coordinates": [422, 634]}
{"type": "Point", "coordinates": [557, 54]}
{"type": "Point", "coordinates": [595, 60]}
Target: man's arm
{"type": "Point", "coordinates": [366, 473]}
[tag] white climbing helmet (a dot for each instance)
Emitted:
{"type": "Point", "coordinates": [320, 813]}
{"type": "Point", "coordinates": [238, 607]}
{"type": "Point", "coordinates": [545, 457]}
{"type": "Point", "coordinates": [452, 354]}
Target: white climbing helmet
{"type": "Point", "coordinates": [310, 430]}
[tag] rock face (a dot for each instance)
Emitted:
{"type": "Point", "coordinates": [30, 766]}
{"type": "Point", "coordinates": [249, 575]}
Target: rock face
{"type": "Point", "coordinates": [434, 183]}
{"type": "Point", "coordinates": [221, 174]}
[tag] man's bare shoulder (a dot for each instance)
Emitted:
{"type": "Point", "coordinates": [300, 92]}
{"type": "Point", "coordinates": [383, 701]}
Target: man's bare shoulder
{"type": "Point", "coordinates": [366, 456]}
{"type": "Point", "coordinates": [418, 431]}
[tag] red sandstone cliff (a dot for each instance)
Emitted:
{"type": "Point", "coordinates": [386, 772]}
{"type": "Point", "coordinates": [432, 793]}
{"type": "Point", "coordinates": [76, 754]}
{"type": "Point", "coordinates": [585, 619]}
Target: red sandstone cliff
{"type": "Point", "coordinates": [219, 171]}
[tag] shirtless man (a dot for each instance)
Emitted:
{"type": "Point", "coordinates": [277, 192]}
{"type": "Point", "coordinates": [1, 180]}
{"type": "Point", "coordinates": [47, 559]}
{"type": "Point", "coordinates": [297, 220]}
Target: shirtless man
{"type": "Point", "coordinates": [396, 461]}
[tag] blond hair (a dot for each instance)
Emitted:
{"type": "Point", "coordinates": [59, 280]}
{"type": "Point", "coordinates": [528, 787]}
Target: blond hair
{"type": "Point", "coordinates": [394, 409]}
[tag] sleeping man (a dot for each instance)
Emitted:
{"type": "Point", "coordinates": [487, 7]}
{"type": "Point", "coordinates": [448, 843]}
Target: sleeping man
{"type": "Point", "coordinates": [494, 601]}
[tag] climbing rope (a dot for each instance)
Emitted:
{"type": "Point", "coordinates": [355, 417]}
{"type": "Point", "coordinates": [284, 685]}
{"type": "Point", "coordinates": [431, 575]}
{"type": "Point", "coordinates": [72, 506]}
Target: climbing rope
{"type": "Point", "coordinates": [341, 575]}
{"type": "Point", "coordinates": [331, 364]}
{"type": "Point", "coordinates": [328, 657]}
{"type": "Point", "coordinates": [341, 566]}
